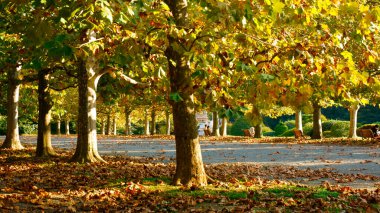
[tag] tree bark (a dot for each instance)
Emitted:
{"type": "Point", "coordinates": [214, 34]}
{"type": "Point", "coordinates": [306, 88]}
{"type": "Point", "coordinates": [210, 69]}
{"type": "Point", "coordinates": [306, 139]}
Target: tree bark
{"type": "Point", "coordinates": [146, 123]}
{"type": "Point", "coordinates": [167, 115]}
{"type": "Point", "coordinates": [353, 120]}
{"type": "Point", "coordinates": [317, 122]}
{"type": "Point", "coordinates": [224, 126]}
{"type": "Point", "coordinates": [258, 130]}
{"type": "Point", "coordinates": [215, 124]}
{"type": "Point", "coordinates": [87, 147]}
{"type": "Point", "coordinates": [103, 127]}
{"type": "Point", "coordinates": [67, 126]}
{"type": "Point", "coordinates": [44, 147]}
{"type": "Point", "coordinates": [153, 122]}
{"type": "Point", "coordinates": [12, 139]}
{"type": "Point", "coordinates": [108, 125]}
{"type": "Point", "coordinates": [189, 164]}
{"type": "Point", "coordinates": [127, 121]}
{"type": "Point", "coordinates": [298, 120]}
{"type": "Point", "coordinates": [59, 127]}
{"type": "Point", "coordinates": [114, 128]}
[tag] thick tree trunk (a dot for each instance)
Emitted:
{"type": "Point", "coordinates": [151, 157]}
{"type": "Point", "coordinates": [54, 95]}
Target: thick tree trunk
{"type": "Point", "coordinates": [317, 122]}
{"type": "Point", "coordinates": [215, 124]}
{"type": "Point", "coordinates": [353, 120]}
{"type": "Point", "coordinates": [224, 126]}
{"type": "Point", "coordinates": [146, 123]}
{"type": "Point", "coordinates": [167, 116]}
{"type": "Point", "coordinates": [298, 120]}
{"type": "Point", "coordinates": [108, 126]}
{"type": "Point", "coordinates": [67, 126]}
{"type": "Point", "coordinates": [258, 131]}
{"type": "Point", "coordinates": [189, 165]}
{"type": "Point", "coordinates": [127, 121]}
{"type": "Point", "coordinates": [114, 125]}
{"type": "Point", "coordinates": [59, 127]}
{"type": "Point", "coordinates": [87, 147]}
{"type": "Point", "coordinates": [12, 139]}
{"type": "Point", "coordinates": [44, 147]}
{"type": "Point", "coordinates": [153, 122]}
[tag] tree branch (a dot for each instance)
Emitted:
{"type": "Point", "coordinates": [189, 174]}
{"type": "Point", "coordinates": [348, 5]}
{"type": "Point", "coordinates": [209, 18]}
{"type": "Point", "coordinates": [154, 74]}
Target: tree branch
{"type": "Point", "coordinates": [64, 88]}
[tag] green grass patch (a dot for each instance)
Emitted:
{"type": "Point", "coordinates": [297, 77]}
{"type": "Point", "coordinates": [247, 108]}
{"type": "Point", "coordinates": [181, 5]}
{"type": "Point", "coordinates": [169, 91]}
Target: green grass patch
{"type": "Point", "coordinates": [281, 192]}
{"type": "Point", "coordinates": [155, 180]}
{"type": "Point", "coordinates": [234, 195]}
{"type": "Point", "coordinates": [286, 191]}
{"type": "Point", "coordinates": [324, 193]}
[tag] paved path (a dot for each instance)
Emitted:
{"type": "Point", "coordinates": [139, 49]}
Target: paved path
{"type": "Point", "coordinates": [342, 159]}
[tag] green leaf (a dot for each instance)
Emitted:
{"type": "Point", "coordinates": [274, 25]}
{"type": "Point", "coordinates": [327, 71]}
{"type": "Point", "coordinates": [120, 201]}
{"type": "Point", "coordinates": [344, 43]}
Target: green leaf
{"type": "Point", "coordinates": [266, 77]}
{"type": "Point", "coordinates": [198, 73]}
{"type": "Point", "coordinates": [106, 13]}
{"type": "Point", "coordinates": [175, 97]}
{"type": "Point", "coordinates": [50, 44]}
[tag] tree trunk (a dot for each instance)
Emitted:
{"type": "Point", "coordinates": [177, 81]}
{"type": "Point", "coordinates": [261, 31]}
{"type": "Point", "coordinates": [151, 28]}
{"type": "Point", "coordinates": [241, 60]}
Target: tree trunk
{"type": "Point", "coordinates": [12, 139]}
{"type": "Point", "coordinates": [114, 128]}
{"type": "Point", "coordinates": [224, 126]}
{"type": "Point", "coordinates": [353, 120]}
{"type": "Point", "coordinates": [59, 127]}
{"type": "Point", "coordinates": [67, 126]}
{"type": "Point", "coordinates": [189, 164]}
{"type": "Point", "coordinates": [153, 122]}
{"type": "Point", "coordinates": [108, 126]}
{"type": "Point", "coordinates": [258, 130]}
{"type": "Point", "coordinates": [298, 120]}
{"type": "Point", "coordinates": [146, 123]}
{"type": "Point", "coordinates": [167, 115]}
{"type": "Point", "coordinates": [127, 121]}
{"type": "Point", "coordinates": [87, 147]}
{"type": "Point", "coordinates": [44, 147]}
{"type": "Point", "coordinates": [215, 124]}
{"type": "Point", "coordinates": [317, 122]}
{"type": "Point", "coordinates": [103, 126]}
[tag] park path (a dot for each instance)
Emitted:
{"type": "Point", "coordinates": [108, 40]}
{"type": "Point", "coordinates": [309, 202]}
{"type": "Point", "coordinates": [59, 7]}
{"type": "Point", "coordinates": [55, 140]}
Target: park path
{"type": "Point", "coordinates": [339, 158]}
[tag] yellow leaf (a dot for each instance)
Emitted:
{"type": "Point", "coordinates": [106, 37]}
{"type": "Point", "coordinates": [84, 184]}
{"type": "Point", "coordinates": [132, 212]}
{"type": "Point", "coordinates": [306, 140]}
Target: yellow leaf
{"type": "Point", "coordinates": [346, 55]}
{"type": "Point", "coordinates": [278, 6]}
{"type": "Point", "coordinates": [371, 59]}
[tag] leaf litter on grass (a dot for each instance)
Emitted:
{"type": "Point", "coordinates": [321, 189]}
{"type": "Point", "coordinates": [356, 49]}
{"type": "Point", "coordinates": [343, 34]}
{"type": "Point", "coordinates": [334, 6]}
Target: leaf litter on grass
{"type": "Point", "coordinates": [138, 184]}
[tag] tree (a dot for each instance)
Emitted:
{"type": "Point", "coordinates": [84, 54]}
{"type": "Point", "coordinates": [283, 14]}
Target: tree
{"type": "Point", "coordinates": [189, 163]}
{"type": "Point", "coordinates": [44, 147]}
{"type": "Point", "coordinates": [12, 139]}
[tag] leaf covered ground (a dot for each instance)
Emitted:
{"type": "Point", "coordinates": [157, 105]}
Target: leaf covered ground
{"type": "Point", "coordinates": [135, 184]}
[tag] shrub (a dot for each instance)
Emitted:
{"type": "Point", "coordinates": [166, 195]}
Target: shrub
{"type": "Point", "coordinates": [271, 134]}
{"type": "Point", "coordinates": [137, 129]}
{"type": "Point", "coordinates": [326, 126]}
{"type": "Point", "coordinates": [266, 129]}
{"type": "Point", "coordinates": [238, 125]}
{"type": "Point", "coordinates": [280, 128]}
{"type": "Point", "coordinates": [308, 129]}
{"type": "Point", "coordinates": [3, 125]}
{"type": "Point", "coordinates": [27, 127]}
{"type": "Point", "coordinates": [327, 134]}
{"type": "Point", "coordinates": [340, 129]}
{"type": "Point", "coordinates": [307, 118]}
{"type": "Point", "coordinates": [291, 124]}
{"type": "Point", "coordinates": [288, 133]}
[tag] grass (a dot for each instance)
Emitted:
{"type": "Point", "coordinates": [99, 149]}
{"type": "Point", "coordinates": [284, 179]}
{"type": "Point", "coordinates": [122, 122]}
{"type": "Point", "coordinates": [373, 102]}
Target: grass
{"type": "Point", "coordinates": [324, 193]}
{"type": "Point", "coordinates": [128, 184]}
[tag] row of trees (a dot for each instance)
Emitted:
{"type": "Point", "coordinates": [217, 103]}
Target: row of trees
{"type": "Point", "coordinates": [269, 56]}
